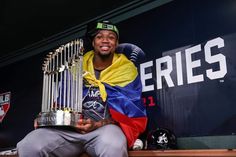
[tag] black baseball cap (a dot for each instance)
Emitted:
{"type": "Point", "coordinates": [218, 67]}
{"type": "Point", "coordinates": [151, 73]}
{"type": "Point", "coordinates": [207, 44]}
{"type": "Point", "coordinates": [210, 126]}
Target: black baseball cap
{"type": "Point", "coordinates": [94, 27]}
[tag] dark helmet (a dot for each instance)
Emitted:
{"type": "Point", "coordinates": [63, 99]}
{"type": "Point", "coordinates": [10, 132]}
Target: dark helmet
{"type": "Point", "coordinates": [161, 138]}
{"type": "Point", "coordinates": [94, 27]}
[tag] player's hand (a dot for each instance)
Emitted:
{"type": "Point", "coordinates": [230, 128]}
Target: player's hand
{"type": "Point", "coordinates": [35, 124]}
{"type": "Point", "coordinates": [86, 125]}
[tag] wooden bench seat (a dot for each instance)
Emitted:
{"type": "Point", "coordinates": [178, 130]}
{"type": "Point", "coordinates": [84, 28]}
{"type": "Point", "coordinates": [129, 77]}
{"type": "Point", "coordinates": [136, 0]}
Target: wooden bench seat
{"type": "Point", "coordinates": [185, 153]}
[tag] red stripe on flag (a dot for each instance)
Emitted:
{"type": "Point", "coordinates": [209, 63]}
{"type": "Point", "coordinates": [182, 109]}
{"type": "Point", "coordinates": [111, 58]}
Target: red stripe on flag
{"type": "Point", "coordinates": [132, 127]}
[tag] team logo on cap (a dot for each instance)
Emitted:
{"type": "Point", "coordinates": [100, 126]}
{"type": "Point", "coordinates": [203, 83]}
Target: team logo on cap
{"type": "Point", "coordinates": [107, 27]}
{"type": "Point", "coordinates": [4, 104]}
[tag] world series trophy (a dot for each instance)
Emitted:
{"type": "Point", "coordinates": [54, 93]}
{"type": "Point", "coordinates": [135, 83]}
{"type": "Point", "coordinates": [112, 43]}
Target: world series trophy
{"type": "Point", "coordinates": [62, 86]}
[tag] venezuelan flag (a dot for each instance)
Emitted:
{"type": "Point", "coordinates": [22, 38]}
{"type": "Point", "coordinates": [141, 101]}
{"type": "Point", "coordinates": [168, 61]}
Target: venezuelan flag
{"type": "Point", "coordinates": [121, 88]}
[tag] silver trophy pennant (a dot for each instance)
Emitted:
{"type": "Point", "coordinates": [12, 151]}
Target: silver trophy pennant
{"type": "Point", "coordinates": [62, 86]}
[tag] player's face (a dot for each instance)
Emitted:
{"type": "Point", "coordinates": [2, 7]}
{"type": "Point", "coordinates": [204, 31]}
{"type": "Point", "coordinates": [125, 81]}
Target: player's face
{"type": "Point", "coordinates": [105, 42]}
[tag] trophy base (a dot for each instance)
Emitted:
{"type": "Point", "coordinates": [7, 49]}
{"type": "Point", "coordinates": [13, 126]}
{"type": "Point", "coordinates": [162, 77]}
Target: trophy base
{"type": "Point", "coordinates": [58, 118]}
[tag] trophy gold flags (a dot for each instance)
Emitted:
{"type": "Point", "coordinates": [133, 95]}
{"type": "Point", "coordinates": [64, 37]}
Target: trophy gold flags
{"type": "Point", "coordinates": [62, 86]}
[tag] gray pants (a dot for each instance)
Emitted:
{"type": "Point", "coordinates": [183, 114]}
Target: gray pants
{"type": "Point", "coordinates": [107, 141]}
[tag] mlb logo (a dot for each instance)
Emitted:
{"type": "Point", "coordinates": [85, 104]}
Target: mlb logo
{"type": "Point", "coordinates": [4, 104]}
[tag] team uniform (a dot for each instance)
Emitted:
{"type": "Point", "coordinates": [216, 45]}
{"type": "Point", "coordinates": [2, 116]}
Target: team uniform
{"type": "Point", "coordinates": [120, 87]}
